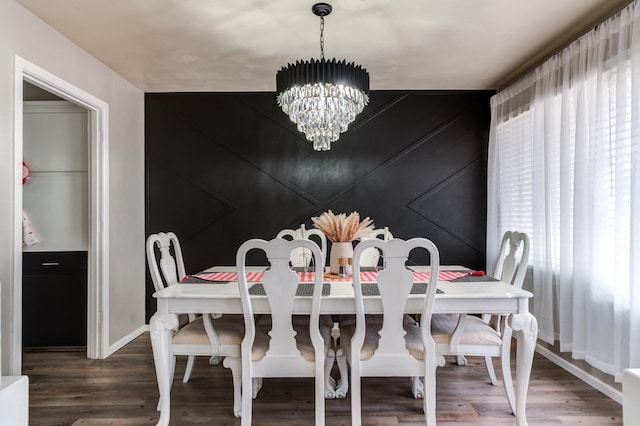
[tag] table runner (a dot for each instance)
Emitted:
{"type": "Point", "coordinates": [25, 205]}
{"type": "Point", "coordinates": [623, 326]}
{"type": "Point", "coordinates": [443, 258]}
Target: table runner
{"type": "Point", "coordinates": [305, 277]}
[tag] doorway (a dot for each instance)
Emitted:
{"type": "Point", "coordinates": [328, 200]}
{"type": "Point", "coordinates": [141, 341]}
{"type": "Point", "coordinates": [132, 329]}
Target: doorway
{"type": "Point", "coordinates": [98, 244]}
{"type": "Point", "coordinates": [55, 222]}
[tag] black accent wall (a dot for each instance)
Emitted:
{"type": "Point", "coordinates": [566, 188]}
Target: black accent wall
{"type": "Point", "coordinates": [225, 167]}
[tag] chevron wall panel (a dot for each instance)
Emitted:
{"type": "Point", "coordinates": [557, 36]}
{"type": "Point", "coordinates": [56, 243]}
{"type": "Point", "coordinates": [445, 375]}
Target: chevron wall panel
{"type": "Point", "coordinates": [225, 167]}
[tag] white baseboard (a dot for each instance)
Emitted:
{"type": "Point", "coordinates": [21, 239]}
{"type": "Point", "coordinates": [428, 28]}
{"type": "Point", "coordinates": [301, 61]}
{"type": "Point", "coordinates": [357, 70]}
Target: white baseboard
{"type": "Point", "coordinates": [592, 381]}
{"type": "Point", "coordinates": [126, 339]}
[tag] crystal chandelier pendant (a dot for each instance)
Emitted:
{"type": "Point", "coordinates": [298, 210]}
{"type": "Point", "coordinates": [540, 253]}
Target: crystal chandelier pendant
{"type": "Point", "coordinates": [322, 97]}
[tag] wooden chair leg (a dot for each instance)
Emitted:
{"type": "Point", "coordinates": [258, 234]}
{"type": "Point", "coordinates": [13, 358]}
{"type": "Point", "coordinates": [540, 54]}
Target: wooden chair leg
{"type": "Point", "coordinates": [235, 365]}
{"type": "Point", "coordinates": [508, 383]}
{"type": "Point", "coordinates": [320, 391]}
{"type": "Point", "coordinates": [187, 371]}
{"type": "Point", "coordinates": [488, 362]}
{"type": "Point", "coordinates": [247, 396]}
{"type": "Point", "coordinates": [356, 403]}
{"type": "Point", "coordinates": [430, 396]}
{"type": "Point", "coordinates": [505, 363]}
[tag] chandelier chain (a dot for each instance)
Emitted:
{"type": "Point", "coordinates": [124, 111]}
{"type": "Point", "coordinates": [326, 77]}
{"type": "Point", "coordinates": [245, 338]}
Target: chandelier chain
{"type": "Point", "coordinates": [322, 37]}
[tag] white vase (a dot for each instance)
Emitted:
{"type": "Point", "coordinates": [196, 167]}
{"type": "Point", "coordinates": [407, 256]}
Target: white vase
{"type": "Point", "coordinates": [339, 250]}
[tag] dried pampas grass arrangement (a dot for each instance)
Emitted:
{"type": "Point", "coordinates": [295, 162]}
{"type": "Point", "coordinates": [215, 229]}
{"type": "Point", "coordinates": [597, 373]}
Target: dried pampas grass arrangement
{"type": "Point", "coordinates": [342, 228]}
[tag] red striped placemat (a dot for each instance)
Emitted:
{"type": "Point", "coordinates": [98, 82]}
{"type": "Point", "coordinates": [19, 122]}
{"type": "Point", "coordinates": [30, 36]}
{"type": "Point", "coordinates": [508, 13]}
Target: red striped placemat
{"type": "Point", "coordinates": [305, 277]}
{"type": "Point", "coordinates": [230, 276]}
{"type": "Point", "coordinates": [442, 275]}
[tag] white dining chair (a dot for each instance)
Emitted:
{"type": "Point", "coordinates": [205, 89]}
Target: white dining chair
{"type": "Point", "coordinates": [301, 257]}
{"type": "Point", "coordinates": [218, 338]}
{"type": "Point", "coordinates": [282, 344]}
{"type": "Point", "coordinates": [371, 256]}
{"type": "Point", "coordinates": [392, 344]}
{"type": "Point", "coordinates": [489, 336]}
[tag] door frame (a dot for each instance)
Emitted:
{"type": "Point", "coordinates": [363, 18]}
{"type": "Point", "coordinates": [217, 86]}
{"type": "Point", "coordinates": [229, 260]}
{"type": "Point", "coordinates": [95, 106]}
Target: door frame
{"type": "Point", "coordinates": [98, 256]}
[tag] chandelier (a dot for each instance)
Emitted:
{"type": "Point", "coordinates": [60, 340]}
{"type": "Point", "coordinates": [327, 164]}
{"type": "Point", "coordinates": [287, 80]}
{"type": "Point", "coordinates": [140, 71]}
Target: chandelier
{"type": "Point", "coordinates": [322, 97]}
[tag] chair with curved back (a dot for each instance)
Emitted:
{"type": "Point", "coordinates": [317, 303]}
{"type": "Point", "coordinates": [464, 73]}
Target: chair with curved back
{"type": "Point", "coordinates": [392, 344]}
{"type": "Point", "coordinates": [489, 336]}
{"type": "Point", "coordinates": [282, 344]}
{"type": "Point", "coordinates": [371, 256]}
{"type": "Point", "coordinates": [202, 335]}
{"type": "Point", "coordinates": [301, 257]}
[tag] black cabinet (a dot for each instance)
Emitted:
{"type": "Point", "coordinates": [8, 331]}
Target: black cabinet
{"type": "Point", "coordinates": [54, 299]}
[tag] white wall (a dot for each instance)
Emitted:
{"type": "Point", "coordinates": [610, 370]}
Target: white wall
{"type": "Point", "coordinates": [24, 34]}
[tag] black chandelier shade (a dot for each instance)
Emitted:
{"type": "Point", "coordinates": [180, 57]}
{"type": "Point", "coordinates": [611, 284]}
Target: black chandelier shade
{"type": "Point", "coordinates": [322, 71]}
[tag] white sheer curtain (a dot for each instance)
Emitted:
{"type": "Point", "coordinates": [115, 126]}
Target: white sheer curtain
{"type": "Point", "coordinates": [564, 167]}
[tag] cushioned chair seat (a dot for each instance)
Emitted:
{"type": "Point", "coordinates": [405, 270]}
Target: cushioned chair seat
{"type": "Point", "coordinates": [413, 338]}
{"type": "Point", "coordinates": [229, 328]}
{"type": "Point", "coordinates": [303, 339]}
{"type": "Point", "coordinates": [475, 332]}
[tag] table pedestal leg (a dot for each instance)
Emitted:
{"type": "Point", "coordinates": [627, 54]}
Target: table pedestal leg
{"type": "Point", "coordinates": [525, 327]}
{"type": "Point", "coordinates": [417, 387]}
{"type": "Point", "coordinates": [342, 386]}
{"type": "Point", "coordinates": [160, 328]}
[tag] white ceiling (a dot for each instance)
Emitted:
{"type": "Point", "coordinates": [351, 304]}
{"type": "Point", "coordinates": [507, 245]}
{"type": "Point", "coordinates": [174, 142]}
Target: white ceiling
{"type": "Point", "coordinates": [239, 45]}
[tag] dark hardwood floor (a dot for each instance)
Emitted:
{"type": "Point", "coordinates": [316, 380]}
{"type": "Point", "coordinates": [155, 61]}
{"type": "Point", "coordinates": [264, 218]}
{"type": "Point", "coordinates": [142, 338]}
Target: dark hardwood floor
{"type": "Point", "coordinates": [68, 389]}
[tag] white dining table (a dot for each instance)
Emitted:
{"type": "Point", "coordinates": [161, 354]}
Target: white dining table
{"type": "Point", "coordinates": [491, 297]}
